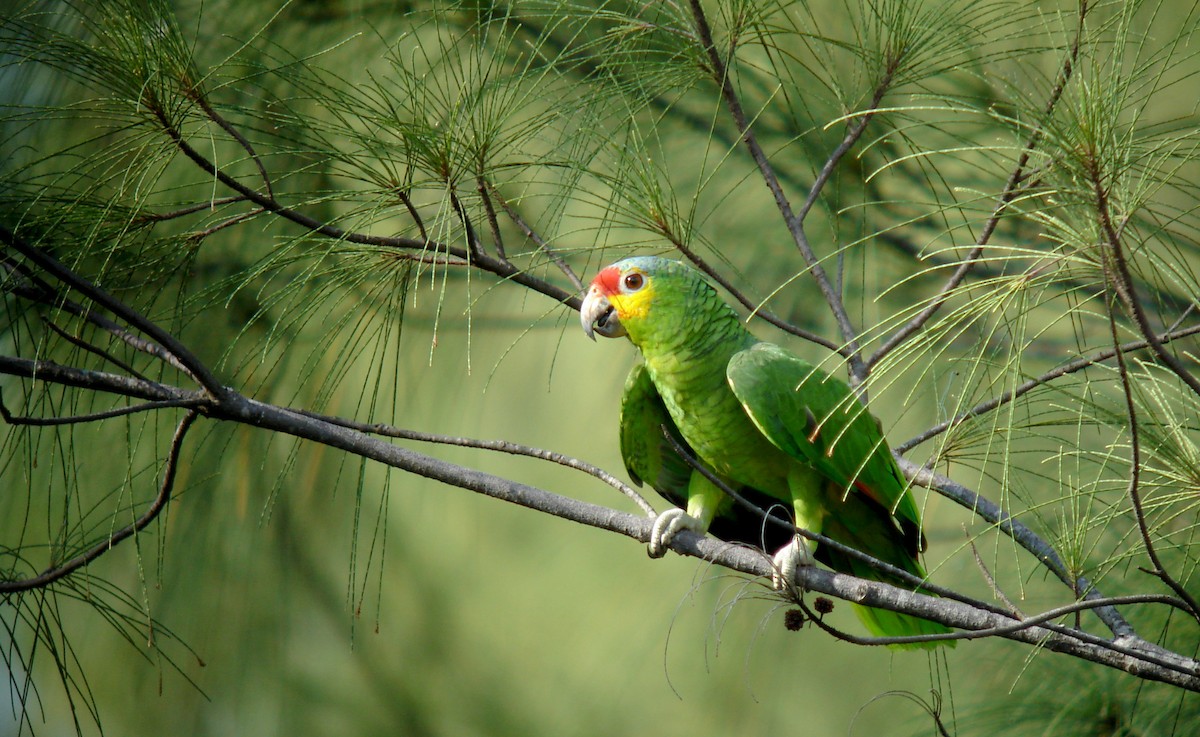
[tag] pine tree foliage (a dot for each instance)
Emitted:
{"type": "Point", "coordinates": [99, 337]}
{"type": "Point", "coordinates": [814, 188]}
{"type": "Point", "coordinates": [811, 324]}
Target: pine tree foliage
{"type": "Point", "coordinates": [222, 224]}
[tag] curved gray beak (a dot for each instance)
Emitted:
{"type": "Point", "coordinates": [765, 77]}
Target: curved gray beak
{"type": "Point", "coordinates": [598, 316]}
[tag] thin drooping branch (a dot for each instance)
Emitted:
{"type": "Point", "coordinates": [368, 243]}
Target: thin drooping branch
{"type": "Point", "coordinates": [1013, 610]}
{"type": "Point", "coordinates": [1070, 367]}
{"type": "Point", "coordinates": [854, 132]}
{"type": "Point", "coordinates": [200, 99]}
{"type": "Point", "coordinates": [1117, 272]}
{"type": "Point", "coordinates": [474, 248]}
{"type": "Point", "coordinates": [501, 446]}
{"type": "Point", "coordinates": [189, 362]}
{"type": "Point", "coordinates": [12, 419]}
{"type": "Point", "coordinates": [229, 222]}
{"type": "Point", "coordinates": [1012, 187]}
{"type": "Point", "coordinates": [1025, 537]}
{"type": "Point", "coordinates": [58, 571]}
{"type": "Point", "coordinates": [188, 210]}
{"type": "Point", "coordinates": [795, 226]}
{"type": "Point", "coordinates": [498, 267]}
{"type": "Point", "coordinates": [1122, 277]}
{"type": "Point", "coordinates": [756, 308]}
{"type": "Point", "coordinates": [419, 221]}
{"type": "Point", "coordinates": [39, 291]}
{"type": "Point", "coordinates": [1005, 629]}
{"type": "Point", "coordinates": [532, 235]}
{"type": "Point", "coordinates": [35, 289]}
{"type": "Point", "coordinates": [493, 222]}
{"type": "Point", "coordinates": [95, 350]}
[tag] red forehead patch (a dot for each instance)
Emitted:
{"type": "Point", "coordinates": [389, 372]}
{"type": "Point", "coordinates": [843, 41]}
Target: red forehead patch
{"type": "Point", "coordinates": [609, 280]}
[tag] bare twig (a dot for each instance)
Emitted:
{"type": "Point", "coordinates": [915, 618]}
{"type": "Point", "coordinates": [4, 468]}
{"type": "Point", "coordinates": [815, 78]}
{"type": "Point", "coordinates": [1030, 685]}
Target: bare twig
{"type": "Point", "coordinates": [995, 587]}
{"type": "Point", "coordinates": [502, 446]}
{"type": "Point", "coordinates": [756, 307]}
{"type": "Point", "coordinates": [474, 249]}
{"type": "Point", "coordinates": [404, 197]}
{"type": "Point", "coordinates": [532, 235]}
{"type": "Point", "coordinates": [854, 132]}
{"type": "Point", "coordinates": [1067, 368]}
{"type": "Point", "coordinates": [186, 360]}
{"type": "Point", "coordinates": [1122, 279]}
{"type": "Point", "coordinates": [795, 226]}
{"type": "Point", "coordinates": [189, 210]}
{"type": "Point", "coordinates": [1012, 187]}
{"type": "Point", "coordinates": [81, 343]}
{"type": "Point", "coordinates": [999, 630]}
{"type": "Point", "coordinates": [490, 210]}
{"type": "Point", "coordinates": [481, 261]}
{"type": "Point", "coordinates": [228, 127]}
{"type": "Point", "coordinates": [43, 293]}
{"type": "Point", "coordinates": [12, 419]}
{"type": "Point", "coordinates": [58, 571]}
{"type": "Point", "coordinates": [200, 235]}
{"type": "Point", "coordinates": [1118, 274]}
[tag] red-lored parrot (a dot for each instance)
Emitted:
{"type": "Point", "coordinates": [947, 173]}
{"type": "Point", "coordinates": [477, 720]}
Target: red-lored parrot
{"type": "Point", "coordinates": [770, 424]}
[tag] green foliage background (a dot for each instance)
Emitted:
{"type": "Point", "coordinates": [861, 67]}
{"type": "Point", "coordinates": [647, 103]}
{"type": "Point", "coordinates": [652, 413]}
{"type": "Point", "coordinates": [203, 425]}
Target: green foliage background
{"type": "Point", "coordinates": [291, 589]}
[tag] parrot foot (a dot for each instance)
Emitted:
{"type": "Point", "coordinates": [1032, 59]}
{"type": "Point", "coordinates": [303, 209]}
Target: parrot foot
{"type": "Point", "coordinates": [667, 526]}
{"type": "Point", "coordinates": [788, 559]}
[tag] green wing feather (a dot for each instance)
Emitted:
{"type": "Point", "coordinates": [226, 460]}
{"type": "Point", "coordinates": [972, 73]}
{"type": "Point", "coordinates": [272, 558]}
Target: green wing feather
{"type": "Point", "coordinates": [648, 456]}
{"type": "Point", "coordinates": [816, 418]}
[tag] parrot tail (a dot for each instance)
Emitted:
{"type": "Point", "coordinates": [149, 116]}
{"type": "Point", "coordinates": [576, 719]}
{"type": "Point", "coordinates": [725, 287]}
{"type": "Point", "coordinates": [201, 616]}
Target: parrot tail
{"type": "Point", "coordinates": [886, 623]}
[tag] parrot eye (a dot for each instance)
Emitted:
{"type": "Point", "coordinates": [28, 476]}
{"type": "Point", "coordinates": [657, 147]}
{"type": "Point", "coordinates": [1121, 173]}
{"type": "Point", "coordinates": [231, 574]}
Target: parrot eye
{"type": "Point", "coordinates": [633, 281]}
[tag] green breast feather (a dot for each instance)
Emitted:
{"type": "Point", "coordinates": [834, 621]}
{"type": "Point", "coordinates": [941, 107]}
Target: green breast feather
{"type": "Point", "coordinates": [650, 458]}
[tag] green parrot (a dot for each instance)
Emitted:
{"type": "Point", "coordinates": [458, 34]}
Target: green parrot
{"type": "Point", "coordinates": [768, 423]}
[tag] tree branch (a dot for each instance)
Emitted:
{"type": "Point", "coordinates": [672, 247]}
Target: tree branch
{"type": "Point", "coordinates": [56, 572]}
{"type": "Point", "coordinates": [795, 225]}
{"type": "Point", "coordinates": [1027, 538]}
{"type": "Point", "coordinates": [189, 362]}
{"type": "Point", "coordinates": [532, 235]}
{"type": "Point", "coordinates": [1008, 194]}
{"type": "Point", "coordinates": [1067, 368]}
{"type": "Point", "coordinates": [502, 446]}
{"type": "Point", "coordinates": [482, 261]}
{"type": "Point", "coordinates": [1136, 657]}
{"type": "Point", "coordinates": [1118, 274]}
{"type": "Point", "coordinates": [12, 419]}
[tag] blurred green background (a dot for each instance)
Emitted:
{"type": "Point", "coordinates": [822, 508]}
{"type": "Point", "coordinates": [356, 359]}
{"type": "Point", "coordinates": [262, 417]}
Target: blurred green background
{"type": "Point", "coordinates": [293, 590]}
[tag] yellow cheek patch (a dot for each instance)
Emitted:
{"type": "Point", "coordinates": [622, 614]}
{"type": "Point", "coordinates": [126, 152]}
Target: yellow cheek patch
{"type": "Point", "coordinates": [632, 306]}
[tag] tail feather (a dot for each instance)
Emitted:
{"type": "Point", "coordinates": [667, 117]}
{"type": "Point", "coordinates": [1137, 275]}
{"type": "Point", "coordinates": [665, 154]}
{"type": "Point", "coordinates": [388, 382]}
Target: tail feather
{"type": "Point", "coordinates": [892, 549]}
{"type": "Point", "coordinates": [886, 623]}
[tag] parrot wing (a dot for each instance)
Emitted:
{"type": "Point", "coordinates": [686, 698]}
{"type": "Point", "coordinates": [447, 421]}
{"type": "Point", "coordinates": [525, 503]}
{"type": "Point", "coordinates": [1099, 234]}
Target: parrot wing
{"type": "Point", "coordinates": [817, 419]}
{"type": "Point", "coordinates": [648, 456]}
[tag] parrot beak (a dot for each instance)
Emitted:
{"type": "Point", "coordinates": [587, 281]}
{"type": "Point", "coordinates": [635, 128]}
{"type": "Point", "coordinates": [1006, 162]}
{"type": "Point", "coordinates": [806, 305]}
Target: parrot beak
{"type": "Point", "coordinates": [598, 316]}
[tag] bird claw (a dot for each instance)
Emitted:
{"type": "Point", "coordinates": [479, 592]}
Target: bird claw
{"type": "Point", "coordinates": [666, 526]}
{"type": "Point", "coordinates": [787, 560]}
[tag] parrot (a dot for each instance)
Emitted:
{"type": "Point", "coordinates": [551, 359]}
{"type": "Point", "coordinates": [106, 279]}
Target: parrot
{"type": "Point", "coordinates": [773, 427]}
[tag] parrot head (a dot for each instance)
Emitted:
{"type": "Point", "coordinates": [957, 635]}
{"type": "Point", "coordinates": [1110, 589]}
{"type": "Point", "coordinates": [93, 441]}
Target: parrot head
{"type": "Point", "coordinates": [621, 298]}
